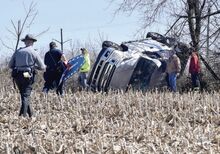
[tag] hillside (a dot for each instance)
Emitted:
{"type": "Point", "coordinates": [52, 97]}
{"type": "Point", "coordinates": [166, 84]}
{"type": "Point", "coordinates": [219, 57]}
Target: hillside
{"type": "Point", "coordinates": [117, 122]}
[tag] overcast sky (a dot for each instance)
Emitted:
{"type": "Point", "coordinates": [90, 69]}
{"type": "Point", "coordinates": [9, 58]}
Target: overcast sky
{"type": "Point", "coordinates": [80, 20]}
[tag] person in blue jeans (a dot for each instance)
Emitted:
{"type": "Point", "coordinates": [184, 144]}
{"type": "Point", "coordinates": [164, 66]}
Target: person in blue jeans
{"type": "Point", "coordinates": [85, 68]}
{"type": "Point", "coordinates": [173, 70]}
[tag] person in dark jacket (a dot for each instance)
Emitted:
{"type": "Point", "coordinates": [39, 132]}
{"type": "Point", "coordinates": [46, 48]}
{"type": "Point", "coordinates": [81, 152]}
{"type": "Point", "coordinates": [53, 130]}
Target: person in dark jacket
{"type": "Point", "coordinates": [23, 64]}
{"type": "Point", "coordinates": [194, 70]}
{"type": "Point", "coordinates": [55, 62]}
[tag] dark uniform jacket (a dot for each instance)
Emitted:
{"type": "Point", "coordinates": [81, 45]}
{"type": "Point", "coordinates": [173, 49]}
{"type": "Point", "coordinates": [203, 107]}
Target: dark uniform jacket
{"type": "Point", "coordinates": [52, 58]}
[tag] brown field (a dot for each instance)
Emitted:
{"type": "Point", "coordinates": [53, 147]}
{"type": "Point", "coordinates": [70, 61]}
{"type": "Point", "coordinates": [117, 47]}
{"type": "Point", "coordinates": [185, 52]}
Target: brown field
{"type": "Point", "coordinates": [114, 123]}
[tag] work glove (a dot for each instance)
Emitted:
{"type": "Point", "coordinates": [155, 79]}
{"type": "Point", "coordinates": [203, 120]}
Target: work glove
{"type": "Point", "coordinates": [67, 65]}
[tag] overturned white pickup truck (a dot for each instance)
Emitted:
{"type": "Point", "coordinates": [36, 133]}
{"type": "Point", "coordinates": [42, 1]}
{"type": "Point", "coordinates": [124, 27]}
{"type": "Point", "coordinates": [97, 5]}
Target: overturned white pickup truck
{"type": "Point", "coordinates": [136, 64]}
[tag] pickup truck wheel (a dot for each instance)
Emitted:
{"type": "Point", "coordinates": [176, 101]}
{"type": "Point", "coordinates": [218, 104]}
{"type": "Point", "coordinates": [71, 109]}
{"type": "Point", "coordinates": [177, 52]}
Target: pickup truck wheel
{"type": "Point", "coordinates": [157, 36]}
{"type": "Point", "coordinates": [107, 44]}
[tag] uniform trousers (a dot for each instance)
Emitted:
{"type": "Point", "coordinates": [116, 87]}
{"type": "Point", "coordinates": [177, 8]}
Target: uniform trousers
{"type": "Point", "coordinates": [25, 87]}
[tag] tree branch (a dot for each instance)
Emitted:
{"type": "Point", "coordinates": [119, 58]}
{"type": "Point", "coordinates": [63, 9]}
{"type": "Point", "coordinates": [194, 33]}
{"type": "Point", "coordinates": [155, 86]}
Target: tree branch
{"type": "Point", "coordinates": [172, 25]}
{"type": "Point", "coordinates": [211, 14]}
{"type": "Point", "coordinates": [202, 17]}
{"type": "Point", "coordinates": [41, 33]}
{"type": "Point", "coordinates": [202, 6]}
{"type": "Point", "coordinates": [5, 45]}
{"type": "Point", "coordinates": [217, 32]}
{"type": "Point", "coordinates": [11, 32]}
{"type": "Point", "coordinates": [16, 31]}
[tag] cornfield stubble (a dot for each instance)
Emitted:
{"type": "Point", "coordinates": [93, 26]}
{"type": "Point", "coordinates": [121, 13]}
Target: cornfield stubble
{"type": "Point", "coordinates": [117, 122]}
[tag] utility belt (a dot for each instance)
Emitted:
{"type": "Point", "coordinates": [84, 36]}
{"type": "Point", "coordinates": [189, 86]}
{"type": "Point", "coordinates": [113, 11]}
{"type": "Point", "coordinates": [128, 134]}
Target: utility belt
{"type": "Point", "coordinates": [28, 74]}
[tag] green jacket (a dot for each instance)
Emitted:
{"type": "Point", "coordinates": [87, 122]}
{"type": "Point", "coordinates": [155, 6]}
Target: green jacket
{"type": "Point", "coordinates": [86, 66]}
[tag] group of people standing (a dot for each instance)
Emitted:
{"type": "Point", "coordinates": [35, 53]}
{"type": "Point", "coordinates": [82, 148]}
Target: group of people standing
{"type": "Point", "coordinates": [174, 66]}
{"type": "Point", "coordinates": [26, 60]}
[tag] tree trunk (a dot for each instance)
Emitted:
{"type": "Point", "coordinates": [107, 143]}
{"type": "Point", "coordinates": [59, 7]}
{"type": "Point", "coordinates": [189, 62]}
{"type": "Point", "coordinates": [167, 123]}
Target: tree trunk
{"type": "Point", "coordinates": [194, 20]}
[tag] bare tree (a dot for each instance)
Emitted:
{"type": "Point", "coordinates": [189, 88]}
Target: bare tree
{"type": "Point", "coordinates": [19, 26]}
{"type": "Point", "coordinates": [186, 17]}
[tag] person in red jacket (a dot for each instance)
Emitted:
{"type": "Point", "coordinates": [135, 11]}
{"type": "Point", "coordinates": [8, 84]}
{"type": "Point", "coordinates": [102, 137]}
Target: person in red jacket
{"type": "Point", "coordinates": [194, 69]}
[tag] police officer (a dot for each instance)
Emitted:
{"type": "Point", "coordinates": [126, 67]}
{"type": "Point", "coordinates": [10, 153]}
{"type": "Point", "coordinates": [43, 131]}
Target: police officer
{"type": "Point", "coordinates": [55, 62]}
{"type": "Point", "coordinates": [23, 64]}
